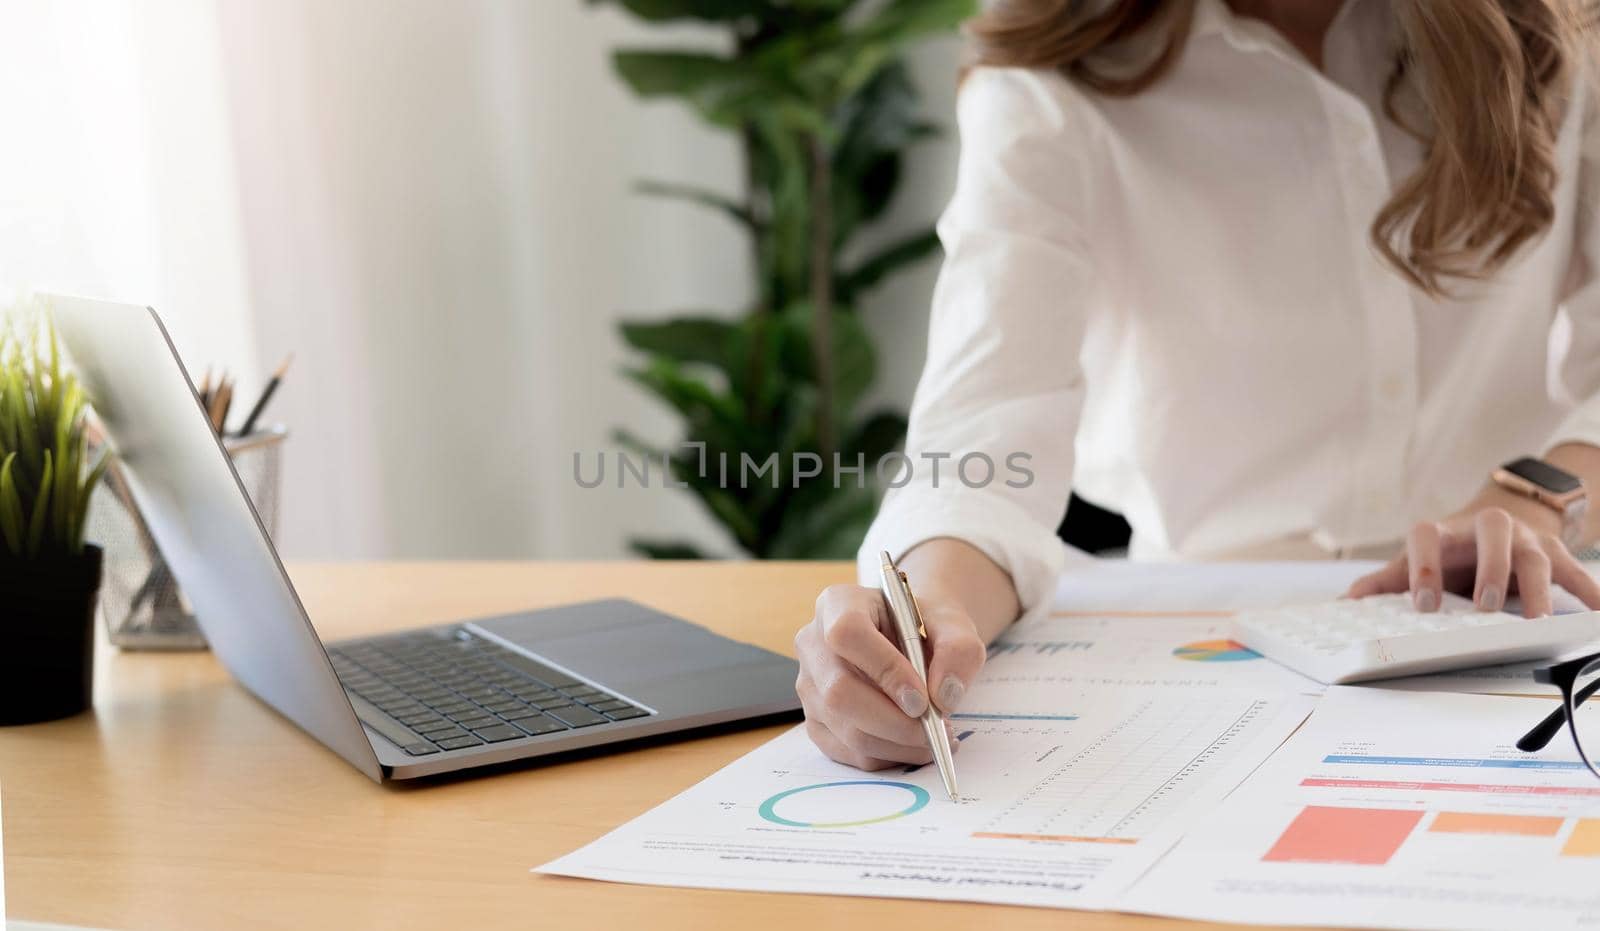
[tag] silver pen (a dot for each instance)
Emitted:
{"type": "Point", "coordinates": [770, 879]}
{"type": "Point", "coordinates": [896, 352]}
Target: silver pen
{"type": "Point", "coordinates": [908, 620]}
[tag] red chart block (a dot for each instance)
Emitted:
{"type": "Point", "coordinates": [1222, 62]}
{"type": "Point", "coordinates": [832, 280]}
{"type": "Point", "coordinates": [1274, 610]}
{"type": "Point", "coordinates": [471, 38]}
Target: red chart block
{"type": "Point", "coordinates": [1366, 836]}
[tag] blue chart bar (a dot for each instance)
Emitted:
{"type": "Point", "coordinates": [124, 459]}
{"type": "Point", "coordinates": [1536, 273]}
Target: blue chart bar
{"type": "Point", "coordinates": [1451, 761]}
{"type": "Point", "coordinates": [1013, 717]}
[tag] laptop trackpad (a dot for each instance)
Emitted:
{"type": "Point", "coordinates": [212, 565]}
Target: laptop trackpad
{"type": "Point", "coordinates": [619, 641]}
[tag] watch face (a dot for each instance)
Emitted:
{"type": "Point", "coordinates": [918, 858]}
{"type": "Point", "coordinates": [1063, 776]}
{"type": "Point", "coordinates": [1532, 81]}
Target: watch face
{"type": "Point", "coordinates": [1544, 475]}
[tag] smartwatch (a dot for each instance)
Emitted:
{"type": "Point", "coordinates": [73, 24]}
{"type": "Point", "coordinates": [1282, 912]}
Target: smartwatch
{"type": "Point", "coordinates": [1557, 489]}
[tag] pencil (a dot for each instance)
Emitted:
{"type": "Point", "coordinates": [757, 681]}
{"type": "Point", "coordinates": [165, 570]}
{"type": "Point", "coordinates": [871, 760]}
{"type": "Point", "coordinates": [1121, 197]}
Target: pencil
{"type": "Point", "coordinates": [266, 395]}
{"type": "Point", "coordinates": [225, 402]}
{"type": "Point", "coordinates": [218, 401]}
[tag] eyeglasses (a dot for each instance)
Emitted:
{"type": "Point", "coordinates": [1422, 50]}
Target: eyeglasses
{"type": "Point", "coordinates": [1578, 679]}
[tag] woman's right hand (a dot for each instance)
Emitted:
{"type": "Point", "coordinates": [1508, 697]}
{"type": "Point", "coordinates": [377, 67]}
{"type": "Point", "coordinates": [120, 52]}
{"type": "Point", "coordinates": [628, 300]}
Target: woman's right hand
{"type": "Point", "coordinates": [862, 699]}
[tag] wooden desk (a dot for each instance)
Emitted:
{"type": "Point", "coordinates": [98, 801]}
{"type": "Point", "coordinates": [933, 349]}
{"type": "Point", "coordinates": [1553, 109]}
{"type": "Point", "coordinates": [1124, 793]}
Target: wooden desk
{"type": "Point", "coordinates": [184, 803]}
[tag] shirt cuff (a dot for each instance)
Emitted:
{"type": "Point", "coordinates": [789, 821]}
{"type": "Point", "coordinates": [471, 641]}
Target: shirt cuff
{"type": "Point", "coordinates": [1581, 426]}
{"type": "Point", "coordinates": [1032, 555]}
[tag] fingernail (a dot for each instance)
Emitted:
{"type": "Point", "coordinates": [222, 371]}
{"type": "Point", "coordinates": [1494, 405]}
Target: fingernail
{"type": "Point", "coordinates": [951, 692]}
{"type": "Point", "coordinates": [1426, 599]}
{"type": "Point", "coordinates": [1491, 598]}
{"type": "Point", "coordinates": [912, 702]}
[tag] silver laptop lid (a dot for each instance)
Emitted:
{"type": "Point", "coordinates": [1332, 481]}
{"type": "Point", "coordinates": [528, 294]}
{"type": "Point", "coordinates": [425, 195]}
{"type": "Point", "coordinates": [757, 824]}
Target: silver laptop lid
{"type": "Point", "coordinates": [200, 516]}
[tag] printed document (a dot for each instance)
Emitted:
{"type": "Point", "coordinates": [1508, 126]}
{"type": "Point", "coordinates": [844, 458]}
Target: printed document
{"type": "Point", "coordinates": [1121, 585]}
{"type": "Point", "coordinates": [1119, 590]}
{"type": "Point", "coordinates": [1398, 810]}
{"type": "Point", "coordinates": [1135, 650]}
{"type": "Point", "coordinates": [1072, 784]}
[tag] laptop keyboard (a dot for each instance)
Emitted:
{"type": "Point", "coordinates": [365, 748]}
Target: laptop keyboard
{"type": "Point", "coordinates": [450, 690]}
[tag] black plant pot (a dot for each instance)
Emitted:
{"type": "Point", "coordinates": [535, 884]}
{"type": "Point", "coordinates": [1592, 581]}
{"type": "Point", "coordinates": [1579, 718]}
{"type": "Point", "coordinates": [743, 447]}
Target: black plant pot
{"type": "Point", "coordinates": [47, 636]}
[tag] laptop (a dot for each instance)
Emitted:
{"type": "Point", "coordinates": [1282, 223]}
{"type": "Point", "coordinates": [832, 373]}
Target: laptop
{"type": "Point", "coordinates": [415, 703]}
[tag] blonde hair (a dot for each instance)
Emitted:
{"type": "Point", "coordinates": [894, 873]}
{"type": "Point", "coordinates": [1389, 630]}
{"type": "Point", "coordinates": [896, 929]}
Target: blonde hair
{"type": "Point", "coordinates": [1487, 82]}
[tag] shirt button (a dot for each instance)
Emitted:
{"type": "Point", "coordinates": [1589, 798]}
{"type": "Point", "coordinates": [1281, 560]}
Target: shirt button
{"type": "Point", "coordinates": [1393, 388]}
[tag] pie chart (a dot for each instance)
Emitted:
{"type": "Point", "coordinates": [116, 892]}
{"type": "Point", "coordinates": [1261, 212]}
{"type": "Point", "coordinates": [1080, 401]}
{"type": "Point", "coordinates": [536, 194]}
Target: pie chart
{"type": "Point", "coordinates": [1215, 651]}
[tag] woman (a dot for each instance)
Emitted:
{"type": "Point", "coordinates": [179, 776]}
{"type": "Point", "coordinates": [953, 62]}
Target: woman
{"type": "Point", "coordinates": [1274, 279]}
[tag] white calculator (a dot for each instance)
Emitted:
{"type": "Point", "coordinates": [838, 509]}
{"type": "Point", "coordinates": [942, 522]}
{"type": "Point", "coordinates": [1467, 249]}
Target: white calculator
{"type": "Point", "coordinates": [1384, 636]}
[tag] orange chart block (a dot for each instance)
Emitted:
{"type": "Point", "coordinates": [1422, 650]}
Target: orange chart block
{"type": "Point", "coordinates": [1584, 840]}
{"type": "Point", "coordinates": [1463, 822]}
{"type": "Point", "coordinates": [1365, 836]}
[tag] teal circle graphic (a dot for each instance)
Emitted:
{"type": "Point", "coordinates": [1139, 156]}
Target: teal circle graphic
{"type": "Point", "coordinates": [919, 798]}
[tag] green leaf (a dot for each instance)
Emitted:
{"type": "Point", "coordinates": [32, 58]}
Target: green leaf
{"type": "Point", "coordinates": [688, 395]}
{"type": "Point", "coordinates": [55, 369]}
{"type": "Point", "coordinates": [12, 527]}
{"type": "Point", "coordinates": [831, 527]}
{"type": "Point", "coordinates": [875, 127]}
{"type": "Point", "coordinates": [729, 207]}
{"type": "Point", "coordinates": [27, 427]}
{"type": "Point", "coordinates": [9, 419]}
{"type": "Point", "coordinates": [854, 360]}
{"type": "Point", "coordinates": [684, 74]}
{"type": "Point", "coordinates": [834, 70]}
{"type": "Point", "coordinates": [665, 549]}
{"type": "Point", "coordinates": [80, 515]}
{"type": "Point", "coordinates": [711, 10]}
{"type": "Point", "coordinates": [725, 507]}
{"type": "Point", "coordinates": [634, 444]}
{"type": "Point", "coordinates": [886, 261]}
{"type": "Point", "coordinates": [716, 419]}
{"type": "Point", "coordinates": [784, 170]}
{"type": "Point", "coordinates": [41, 508]}
{"type": "Point", "coordinates": [725, 91]}
{"type": "Point", "coordinates": [759, 379]}
{"type": "Point", "coordinates": [69, 462]}
{"type": "Point", "coordinates": [703, 340]}
{"type": "Point", "coordinates": [877, 436]}
{"type": "Point", "coordinates": [902, 21]}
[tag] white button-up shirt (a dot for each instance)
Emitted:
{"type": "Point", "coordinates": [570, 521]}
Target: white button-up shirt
{"type": "Point", "coordinates": [1171, 302]}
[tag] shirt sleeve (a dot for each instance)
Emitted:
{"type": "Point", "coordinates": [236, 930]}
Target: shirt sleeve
{"type": "Point", "coordinates": [1577, 373]}
{"type": "Point", "coordinates": [1002, 388]}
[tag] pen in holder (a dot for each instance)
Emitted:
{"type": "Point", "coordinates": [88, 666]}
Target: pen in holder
{"type": "Point", "coordinates": [143, 606]}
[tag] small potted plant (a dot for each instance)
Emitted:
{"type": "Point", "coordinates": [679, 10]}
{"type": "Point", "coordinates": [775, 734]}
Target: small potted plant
{"type": "Point", "coordinates": [49, 578]}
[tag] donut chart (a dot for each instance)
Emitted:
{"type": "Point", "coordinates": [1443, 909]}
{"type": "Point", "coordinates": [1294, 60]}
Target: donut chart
{"type": "Point", "coordinates": [851, 803]}
{"type": "Point", "coordinates": [1215, 651]}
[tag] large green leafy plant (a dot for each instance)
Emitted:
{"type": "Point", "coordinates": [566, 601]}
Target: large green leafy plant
{"type": "Point", "coordinates": [45, 478]}
{"type": "Point", "coordinates": [822, 103]}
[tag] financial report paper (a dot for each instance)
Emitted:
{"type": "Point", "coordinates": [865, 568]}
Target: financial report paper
{"type": "Point", "coordinates": [1087, 746]}
{"type": "Point", "coordinates": [1118, 589]}
{"type": "Point", "coordinates": [1398, 810]}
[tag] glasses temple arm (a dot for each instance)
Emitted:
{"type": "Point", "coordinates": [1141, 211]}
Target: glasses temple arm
{"type": "Point", "coordinates": [1546, 730]}
{"type": "Point", "coordinates": [1543, 732]}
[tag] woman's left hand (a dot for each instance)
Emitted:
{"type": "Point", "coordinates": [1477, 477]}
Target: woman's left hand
{"type": "Point", "coordinates": [1499, 545]}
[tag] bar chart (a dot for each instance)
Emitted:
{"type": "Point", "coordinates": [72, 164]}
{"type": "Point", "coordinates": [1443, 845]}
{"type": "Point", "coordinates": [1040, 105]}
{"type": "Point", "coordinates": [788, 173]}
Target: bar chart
{"type": "Point", "coordinates": [1399, 809]}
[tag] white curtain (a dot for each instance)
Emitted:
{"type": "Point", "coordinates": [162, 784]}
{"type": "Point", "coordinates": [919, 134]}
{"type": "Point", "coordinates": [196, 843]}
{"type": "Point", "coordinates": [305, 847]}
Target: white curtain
{"type": "Point", "coordinates": [428, 204]}
{"type": "Point", "coordinates": [115, 171]}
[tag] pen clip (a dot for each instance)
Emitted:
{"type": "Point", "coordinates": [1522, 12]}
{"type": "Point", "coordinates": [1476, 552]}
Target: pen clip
{"type": "Point", "coordinates": [916, 609]}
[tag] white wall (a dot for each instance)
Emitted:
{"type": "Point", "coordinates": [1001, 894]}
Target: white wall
{"type": "Point", "coordinates": [116, 174]}
{"type": "Point", "coordinates": [428, 203]}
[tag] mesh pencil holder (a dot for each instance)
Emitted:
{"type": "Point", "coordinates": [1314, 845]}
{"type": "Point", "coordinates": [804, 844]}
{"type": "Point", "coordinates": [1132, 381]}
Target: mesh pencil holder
{"type": "Point", "coordinates": [144, 608]}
